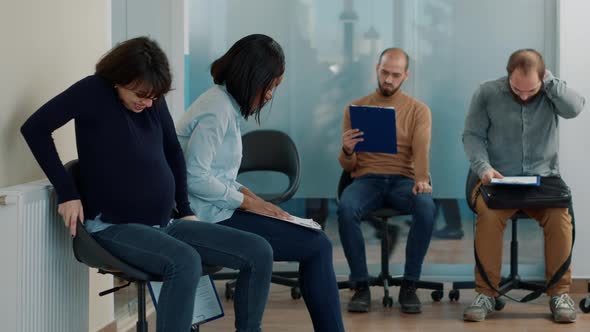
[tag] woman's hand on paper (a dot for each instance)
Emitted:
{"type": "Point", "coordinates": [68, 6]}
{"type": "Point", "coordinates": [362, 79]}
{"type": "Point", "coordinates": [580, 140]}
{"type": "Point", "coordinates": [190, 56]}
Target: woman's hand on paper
{"type": "Point", "coordinates": [264, 208]}
{"type": "Point", "coordinates": [276, 211]}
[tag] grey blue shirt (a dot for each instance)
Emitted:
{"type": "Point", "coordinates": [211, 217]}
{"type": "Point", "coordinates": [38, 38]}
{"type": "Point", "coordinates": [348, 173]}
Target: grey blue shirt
{"type": "Point", "coordinates": [514, 138]}
{"type": "Point", "coordinates": [210, 136]}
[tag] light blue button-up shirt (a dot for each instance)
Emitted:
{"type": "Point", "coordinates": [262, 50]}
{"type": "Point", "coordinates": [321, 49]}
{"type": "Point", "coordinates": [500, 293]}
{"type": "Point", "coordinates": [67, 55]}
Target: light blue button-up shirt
{"type": "Point", "coordinates": [515, 138]}
{"type": "Point", "coordinates": [210, 136]}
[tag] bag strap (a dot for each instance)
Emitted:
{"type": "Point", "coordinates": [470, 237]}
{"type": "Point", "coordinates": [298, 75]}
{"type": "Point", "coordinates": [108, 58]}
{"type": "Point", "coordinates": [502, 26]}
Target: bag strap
{"type": "Point", "coordinates": [554, 279]}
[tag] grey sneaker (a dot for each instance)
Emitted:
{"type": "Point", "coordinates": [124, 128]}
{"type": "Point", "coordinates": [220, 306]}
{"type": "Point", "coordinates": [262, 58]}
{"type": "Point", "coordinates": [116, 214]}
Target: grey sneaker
{"type": "Point", "coordinates": [481, 306]}
{"type": "Point", "coordinates": [563, 308]}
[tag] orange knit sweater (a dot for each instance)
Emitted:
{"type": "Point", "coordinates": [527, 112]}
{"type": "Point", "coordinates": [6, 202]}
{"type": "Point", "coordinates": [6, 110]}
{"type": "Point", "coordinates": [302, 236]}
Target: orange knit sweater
{"type": "Point", "coordinates": [413, 124]}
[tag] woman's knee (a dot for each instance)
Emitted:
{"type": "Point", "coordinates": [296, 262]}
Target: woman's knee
{"type": "Point", "coordinates": [321, 245]}
{"type": "Point", "coordinates": [259, 252]}
{"type": "Point", "coordinates": [261, 249]}
{"type": "Point", "coordinates": [186, 263]}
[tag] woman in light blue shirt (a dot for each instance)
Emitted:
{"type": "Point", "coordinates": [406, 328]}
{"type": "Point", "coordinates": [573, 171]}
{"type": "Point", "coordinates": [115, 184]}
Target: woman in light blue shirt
{"type": "Point", "coordinates": [210, 135]}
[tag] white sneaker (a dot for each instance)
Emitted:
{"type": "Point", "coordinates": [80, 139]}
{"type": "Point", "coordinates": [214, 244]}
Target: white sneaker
{"type": "Point", "coordinates": [563, 308]}
{"type": "Point", "coordinates": [481, 306]}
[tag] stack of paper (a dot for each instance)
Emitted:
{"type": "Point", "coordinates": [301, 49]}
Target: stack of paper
{"type": "Point", "coordinates": [309, 223]}
{"type": "Point", "coordinates": [518, 180]}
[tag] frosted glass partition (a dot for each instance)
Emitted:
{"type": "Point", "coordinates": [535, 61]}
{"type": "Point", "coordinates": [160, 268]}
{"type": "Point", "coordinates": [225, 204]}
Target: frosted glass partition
{"type": "Point", "coordinates": [332, 47]}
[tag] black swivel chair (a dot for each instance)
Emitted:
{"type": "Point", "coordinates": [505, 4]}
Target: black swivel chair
{"type": "Point", "coordinates": [513, 281]}
{"type": "Point", "coordinates": [88, 251]}
{"type": "Point", "coordinates": [385, 279]}
{"type": "Point", "coordinates": [270, 150]}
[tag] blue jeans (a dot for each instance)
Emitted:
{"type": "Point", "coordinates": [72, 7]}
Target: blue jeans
{"type": "Point", "coordinates": [177, 251]}
{"type": "Point", "coordinates": [371, 192]}
{"type": "Point", "coordinates": [313, 250]}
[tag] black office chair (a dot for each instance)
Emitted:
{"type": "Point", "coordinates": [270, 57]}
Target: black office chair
{"type": "Point", "coordinates": [385, 279]}
{"type": "Point", "coordinates": [270, 150]}
{"type": "Point", "coordinates": [88, 251]}
{"type": "Point", "coordinates": [513, 281]}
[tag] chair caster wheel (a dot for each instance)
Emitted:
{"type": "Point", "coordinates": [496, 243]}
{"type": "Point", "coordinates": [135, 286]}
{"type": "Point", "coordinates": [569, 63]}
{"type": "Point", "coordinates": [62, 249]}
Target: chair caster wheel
{"type": "Point", "coordinates": [585, 305]}
{"type": "Point", "coordinates": [499, 304]}
{"type": "Point", "coordinates": [437, 295]}
{"type": "Point", "coordinates": [454, 295]}
{"type": "Point", "coordinates": [229, 293]}
{"type": "Point", "coordinates": [295, 293]}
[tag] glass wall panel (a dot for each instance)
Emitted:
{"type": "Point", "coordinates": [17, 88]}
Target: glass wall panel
{"type": "Point", "coordinates": [332, 47]}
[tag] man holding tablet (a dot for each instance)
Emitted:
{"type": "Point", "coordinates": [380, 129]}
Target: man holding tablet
{"type": "Point", "coordinates": [511, 129]}
{"type": "Point", "coordinates": [396, 177]}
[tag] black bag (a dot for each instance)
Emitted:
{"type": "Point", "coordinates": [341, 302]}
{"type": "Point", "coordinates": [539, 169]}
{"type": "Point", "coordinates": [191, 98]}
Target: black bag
{"type": "Point", "coordinates": [553, 192]}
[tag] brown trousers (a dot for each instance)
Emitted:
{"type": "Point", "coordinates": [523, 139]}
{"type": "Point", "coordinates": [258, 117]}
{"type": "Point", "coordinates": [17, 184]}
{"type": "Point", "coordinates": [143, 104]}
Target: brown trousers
{"type": "Point", "coordinates": [489, 231]}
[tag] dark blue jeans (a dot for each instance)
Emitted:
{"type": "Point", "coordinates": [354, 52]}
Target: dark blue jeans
{"type": "Point", "coordinates": [177, 252]}
{"type": "Point", "coordinates": [371, 192]}
{"type": "Point", "coordinates": [313, 250]}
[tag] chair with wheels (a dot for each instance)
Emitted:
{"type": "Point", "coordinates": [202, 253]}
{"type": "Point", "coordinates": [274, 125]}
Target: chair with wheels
{"type": "Point", "coordinates": [88, 251]}
{"type": "Point", "coordinates": [270, 150]}
{"type": "Point", "coordinates": [384, 279]}
{"type": "Point", "coordinates": [513, 281]}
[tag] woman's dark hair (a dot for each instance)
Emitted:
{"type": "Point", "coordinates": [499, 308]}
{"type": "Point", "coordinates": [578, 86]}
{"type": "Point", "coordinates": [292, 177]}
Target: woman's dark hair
{"type": "Point", "coordinates": [137, 61]}
{"type": "Point", "coordinates": [248, 69]}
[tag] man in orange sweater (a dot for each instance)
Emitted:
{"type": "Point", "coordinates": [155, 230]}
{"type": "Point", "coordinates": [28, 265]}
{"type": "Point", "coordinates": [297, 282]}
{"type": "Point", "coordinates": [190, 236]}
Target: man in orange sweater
{"type": "Point", "coordinates": [400, 181]}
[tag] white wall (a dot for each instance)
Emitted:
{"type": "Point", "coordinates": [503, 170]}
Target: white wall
{"type": "Point", "coordinates": [574, 67]}
{"type": "Point", "coordinates": [46, 47]}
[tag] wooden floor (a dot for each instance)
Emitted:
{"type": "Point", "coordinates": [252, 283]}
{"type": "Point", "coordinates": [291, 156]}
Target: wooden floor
{"type": "Point", "coordinates": [283, 314]}
{"type": "Point", "coordinates": [286, 315]}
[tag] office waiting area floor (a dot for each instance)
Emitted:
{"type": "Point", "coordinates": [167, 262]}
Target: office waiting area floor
{"type": "Point", "coordinates": [447, 261]}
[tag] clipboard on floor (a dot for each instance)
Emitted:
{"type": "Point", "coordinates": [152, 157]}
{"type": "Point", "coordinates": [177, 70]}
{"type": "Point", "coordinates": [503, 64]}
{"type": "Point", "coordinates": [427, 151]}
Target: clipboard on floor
{"type": "Point", "coordinates": [207, 304]}
{"type": "Point", "coordinates": [378, 127]}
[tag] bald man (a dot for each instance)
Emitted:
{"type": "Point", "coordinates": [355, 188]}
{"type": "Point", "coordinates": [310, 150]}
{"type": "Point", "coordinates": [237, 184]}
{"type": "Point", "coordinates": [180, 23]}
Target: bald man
{"type": "Point", "coordinates": [512, 129]}
{"type": "Point", "coordinates": [400, 181]}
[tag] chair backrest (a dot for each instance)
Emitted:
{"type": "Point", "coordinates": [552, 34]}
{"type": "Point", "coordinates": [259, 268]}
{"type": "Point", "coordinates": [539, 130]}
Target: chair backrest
{"type": "Point", "coordinates": [91, 253]}
{"type": "Point", "coordinates": [272, 150]}
{"type": "Point", "coordinates": [470, 183]}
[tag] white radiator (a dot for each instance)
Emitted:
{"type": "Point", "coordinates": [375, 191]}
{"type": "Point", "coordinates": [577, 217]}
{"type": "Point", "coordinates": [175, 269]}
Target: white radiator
{"type": "Point", "coordinates": [42, 286]}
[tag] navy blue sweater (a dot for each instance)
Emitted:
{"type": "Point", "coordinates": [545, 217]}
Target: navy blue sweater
{"type": "Point", "coordinates": [132, 168]}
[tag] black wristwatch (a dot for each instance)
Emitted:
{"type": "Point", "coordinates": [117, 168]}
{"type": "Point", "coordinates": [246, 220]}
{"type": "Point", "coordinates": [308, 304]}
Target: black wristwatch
{"type": "Point", "coordinates": [346, 153]}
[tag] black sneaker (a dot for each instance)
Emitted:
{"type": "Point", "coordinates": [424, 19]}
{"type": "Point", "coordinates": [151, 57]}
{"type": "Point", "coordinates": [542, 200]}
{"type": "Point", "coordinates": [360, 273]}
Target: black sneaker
{"type": "Point", "coordinates": [408, 300]}
{"type": "Point", "coordinates": [449, 233]}
{"type": "Point", "coordinates": [361, 300]}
